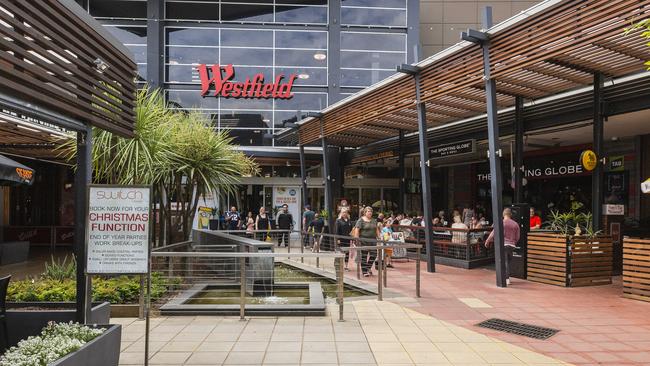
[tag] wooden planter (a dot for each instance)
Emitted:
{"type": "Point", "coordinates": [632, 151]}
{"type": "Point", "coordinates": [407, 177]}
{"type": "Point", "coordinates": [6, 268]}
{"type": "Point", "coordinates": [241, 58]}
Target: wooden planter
{"type": "Point", "coordinates": [569, 261]}
{"type": "Point", "coordinates": [636, 268]}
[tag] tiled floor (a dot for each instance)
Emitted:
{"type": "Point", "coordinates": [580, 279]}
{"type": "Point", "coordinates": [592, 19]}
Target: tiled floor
{"type": "Point", "coordinates": [374, 333]}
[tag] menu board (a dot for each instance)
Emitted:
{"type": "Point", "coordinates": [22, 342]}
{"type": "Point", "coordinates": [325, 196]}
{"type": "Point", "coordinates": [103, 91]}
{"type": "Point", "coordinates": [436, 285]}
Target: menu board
{"type": "Point", "coordinates": [118, 229]}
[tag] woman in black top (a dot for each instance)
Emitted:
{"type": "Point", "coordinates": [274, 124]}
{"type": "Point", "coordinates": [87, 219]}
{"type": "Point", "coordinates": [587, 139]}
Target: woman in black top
{"type": "Point", "coordinates": [262, 224]}
{"type": "Point", "coordinates": [343, 228]}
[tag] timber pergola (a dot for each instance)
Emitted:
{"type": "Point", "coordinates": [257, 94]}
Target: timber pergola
{"type": "Point", "coordinates": [551, 48]}
{"type": "Point", "coordinates": [62, 73]}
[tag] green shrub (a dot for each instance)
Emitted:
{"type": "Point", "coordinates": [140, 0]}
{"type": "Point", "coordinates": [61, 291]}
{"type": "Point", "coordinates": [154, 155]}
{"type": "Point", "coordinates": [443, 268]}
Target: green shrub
{"type": "Point", "coordinates": [60, 270]}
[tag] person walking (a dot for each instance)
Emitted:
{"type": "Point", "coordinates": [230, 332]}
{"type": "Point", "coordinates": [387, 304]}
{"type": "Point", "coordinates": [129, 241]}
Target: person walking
{"type": "Point", "coordinates": [366, 228]}
{"type": "Point", "coordinates": [233, 219]}
{"type": "Point", "coordinates": [510, 238]}
{"type": "Point", "coordinates": [285, 223]}
{"type": "Point", "coordinates": [317, 226]}
{"type": "Point", "coordinates": [307, 218]}
{"type": "Point", "coordinates": [250, 224]}
{"type": "Point", "coordinates": [262, 224]}
{"type": "Point", "coordinates": [343, 228]}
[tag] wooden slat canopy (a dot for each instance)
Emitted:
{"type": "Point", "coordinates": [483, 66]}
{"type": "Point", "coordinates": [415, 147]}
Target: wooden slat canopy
{"type": "Point", "coordinates": [48, 57]}
{"type": "Point", "coordinates": [551, 48]}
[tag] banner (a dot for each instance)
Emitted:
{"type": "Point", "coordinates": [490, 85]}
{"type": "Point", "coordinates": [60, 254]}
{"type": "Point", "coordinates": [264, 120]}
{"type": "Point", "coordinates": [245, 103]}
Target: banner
{"type": "Point", "coordinates": [118, 229]}
{"type": "Point", "coordinates": [291, 197]}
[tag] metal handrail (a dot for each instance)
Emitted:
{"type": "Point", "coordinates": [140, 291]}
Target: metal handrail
{"type": "Point", "coordinates": [247, 255]}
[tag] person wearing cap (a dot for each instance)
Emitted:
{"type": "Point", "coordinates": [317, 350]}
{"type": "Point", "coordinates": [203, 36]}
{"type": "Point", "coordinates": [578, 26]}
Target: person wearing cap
{"type": "Point", "coordinates": [285, 223]}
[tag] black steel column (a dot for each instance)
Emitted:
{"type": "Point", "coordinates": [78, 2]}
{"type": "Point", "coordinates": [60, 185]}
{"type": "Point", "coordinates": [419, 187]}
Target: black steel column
{"type": "Point", "coordinates": [598, 135]}
{"type": "Point", "coordinates": [155, 43]}
{"type": "Point", "coordinates": [327, 177]}
{"type": "Point", "coordinates": [303, 176]}
{"type": "Point", "coordinates": [494, 150]}
{"type": "Point", "coordinates": [402, 173]}
{"type": "Point", "coordinates": [83, 176]}
{"type": "Point", "coordinates": [333, 50]}
{"type": "Point", "coordinates": [519, 149]}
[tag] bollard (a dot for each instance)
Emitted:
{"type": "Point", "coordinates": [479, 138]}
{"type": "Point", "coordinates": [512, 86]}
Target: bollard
{"type": "Point", "coordinates": [242, 288]}
{"type": "Point", "coordinates": [340, 285]}
{"type": "Point", "coordinates": [380, 263]}
{"type": "Point", "coordinates": [417, 273]}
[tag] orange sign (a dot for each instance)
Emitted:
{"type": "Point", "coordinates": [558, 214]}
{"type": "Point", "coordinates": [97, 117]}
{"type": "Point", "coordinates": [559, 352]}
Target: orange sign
{"type": "Point", "coordinates": [589, 160]}
{"type": "Point", "coordinates": [25, 174]}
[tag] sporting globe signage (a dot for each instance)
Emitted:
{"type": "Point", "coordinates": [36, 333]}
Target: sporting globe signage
{"type": "Point", "coordinates": [217, 81]}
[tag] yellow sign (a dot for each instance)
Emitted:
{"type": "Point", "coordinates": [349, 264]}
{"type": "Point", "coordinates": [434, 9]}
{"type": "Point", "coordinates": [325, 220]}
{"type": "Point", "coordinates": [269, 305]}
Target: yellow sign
{"type": "Point", "coordinates": [589, 160]}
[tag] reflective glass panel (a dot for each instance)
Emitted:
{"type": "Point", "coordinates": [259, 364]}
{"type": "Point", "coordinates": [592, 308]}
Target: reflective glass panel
{"type": "Point", "coordinates": [301, 2]}
{"type": "Point", "coordinates": [372, 60]}
{"type": "Point", "coordinates": [300, 39]}
{"type": "Point", "coordinates": [376, 3]}
{"type": "Point", "coordinates": [142, 72]}
{"type": "Point", "coordinates": [192, 10]}
{"type": "Point", "coordinates": [302, 101]}
{"type": "Point", "coordinates": [247, 103]}
{"type": "Point", "coordinates": [250, 137]}
{"type": "Point", "coordinates": [316, 58]}
{"type": "Point", "coordinates": [281, 118]}
{"type": "Point", "coordinates": [361, 78]}
{"type": "Point", "coordinates": [129, 35]}
{"type": "Point", "coordinates": [192, 36]}
{"type": "Point", "coordinates": [118, 9]}
{"type": "Point", "coordinates": [182, 74]}
{"type": "Point", "coordinates": [246, 13]}
{"type": "Point", "coordinates": [373, 41]}
{"type": "Point", "coordinates": [301, 14]}
{"type": "Point", "coordinates": [139, 53]}
{"type": "Point", "coordinates": [246, 56]}
{"type": "Point", "coordinates": [369, 16]}
{"type": "Point", "coordinates": [306, 76]}
{"type": "Point", "coordinates": [245, 119]}
{"type": "Point", "coordinates": [192, 55]}
{"type": "Point", "coordinates": [246, 38]}
{"type": "Point", "coordinates": [190, 99]}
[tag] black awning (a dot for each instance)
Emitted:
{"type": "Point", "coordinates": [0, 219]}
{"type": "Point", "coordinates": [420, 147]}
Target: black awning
{"type": "Point", "coordinates": [13, 172]}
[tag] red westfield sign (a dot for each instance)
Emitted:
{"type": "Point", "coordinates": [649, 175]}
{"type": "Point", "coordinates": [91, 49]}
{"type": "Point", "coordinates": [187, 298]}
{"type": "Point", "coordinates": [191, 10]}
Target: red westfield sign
{"type": "Point", "coordinates": [220, 77]}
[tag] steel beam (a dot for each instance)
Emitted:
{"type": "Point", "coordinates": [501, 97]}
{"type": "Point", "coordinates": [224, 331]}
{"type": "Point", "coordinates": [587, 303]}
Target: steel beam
{"type": "Point", "coordinates": [598, 135]}
{"type": "Point", "coordinates": [402, 172]}
{"type": "Point", "coordinates": [83, 176]}
{"type": "Point", "coordinates": [303, 177]}
{"type": "Point", "coordinates": [155, 43]}
{"type": "Point", "coordinates": [328, 181]}
{"type": "Point", "coordinates": [519, 149]}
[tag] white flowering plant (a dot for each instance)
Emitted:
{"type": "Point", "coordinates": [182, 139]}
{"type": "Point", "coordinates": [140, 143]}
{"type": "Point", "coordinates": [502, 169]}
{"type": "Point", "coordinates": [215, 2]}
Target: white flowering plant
{"type": "Point", "coordinates": [55, 341]}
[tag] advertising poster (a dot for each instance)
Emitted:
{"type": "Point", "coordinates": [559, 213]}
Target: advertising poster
{"type": "Point", "coordinates": [118, 229]}
{"type": "Point", "coordinates": [291, 197]}
{"type": "Point", "coordinates": [203, 214]}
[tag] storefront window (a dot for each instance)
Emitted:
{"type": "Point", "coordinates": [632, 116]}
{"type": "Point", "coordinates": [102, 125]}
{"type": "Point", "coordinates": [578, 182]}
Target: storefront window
{"type": "Point", "coordinates": [301, 14]}
{"type": "Point", "coordinates": [391, 200]}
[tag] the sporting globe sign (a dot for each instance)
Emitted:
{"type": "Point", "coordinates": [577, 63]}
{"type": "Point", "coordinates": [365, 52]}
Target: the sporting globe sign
{"type": "Point", "coordinates": [118, 229]}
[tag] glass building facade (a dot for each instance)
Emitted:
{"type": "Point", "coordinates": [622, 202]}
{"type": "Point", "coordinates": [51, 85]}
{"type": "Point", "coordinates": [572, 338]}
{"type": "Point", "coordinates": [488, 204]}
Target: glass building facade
{"type": "Point", "coordinates": [334, 47]}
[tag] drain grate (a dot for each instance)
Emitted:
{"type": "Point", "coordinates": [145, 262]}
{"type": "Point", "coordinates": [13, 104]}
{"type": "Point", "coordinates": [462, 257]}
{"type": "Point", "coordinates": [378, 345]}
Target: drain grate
{"type": "Point", "coordinates": [522, 329]}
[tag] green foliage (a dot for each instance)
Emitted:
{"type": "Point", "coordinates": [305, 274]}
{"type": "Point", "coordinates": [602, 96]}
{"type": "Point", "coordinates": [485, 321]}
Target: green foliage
{"type": "Point", "coordinates": [55, 341]}
{"type": "Point", "coordinates": [116, 290]}
{"type": "Point", "coordinates": [60, 269]}
{"type": "Point", "coordinates": [642, 28]}
{"type": "Point", "coordinates": [571, 223]}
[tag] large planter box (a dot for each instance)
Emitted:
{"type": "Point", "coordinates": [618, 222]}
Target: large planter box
{"type": "Point", "coordinates": [636, 268]}
{"type": "Point", "coordinates": [569, 261]}
{"type": "Point", "coordinates": [23, 322]}
{"type": "Point", "coordinates": [101, 351]}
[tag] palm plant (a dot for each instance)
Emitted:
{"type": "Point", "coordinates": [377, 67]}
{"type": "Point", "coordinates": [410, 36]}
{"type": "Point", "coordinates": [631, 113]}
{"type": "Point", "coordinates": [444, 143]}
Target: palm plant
{"type": "Point", "coordinates": [179, 154]}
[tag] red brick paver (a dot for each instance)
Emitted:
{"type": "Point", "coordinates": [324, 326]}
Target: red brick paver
{"type": "Point", "coordinates": [597, 325]}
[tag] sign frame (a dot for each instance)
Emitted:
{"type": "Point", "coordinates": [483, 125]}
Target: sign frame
{"type": "Point", "coordinates": [472, 143]}
{"type": "Point", "coordinates": [149, 227]}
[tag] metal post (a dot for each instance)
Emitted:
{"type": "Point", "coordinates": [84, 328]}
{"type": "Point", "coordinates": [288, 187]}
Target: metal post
{"type": "Point", "coordinates": [598, 133]}
{"type": "Point", "coordinates": [383, 254]}
{"type": "Point", "coordinates": [519, 149]}
{"type": "Point", "coordinates": [494, 151]}
{"type": "Point", "coordinates": [302, 245]}
{"type": "Point", "coordinates": [340, 285]}
{"type": "Point", "coordinates": [359, 258]}
{"type": "Point", "coordinates": [426, 178]}
{"type": "Point", "coordinates": [83, 177]}
{"type": "Point", "coordinates": [303, 176]}
{"type": "Point", "coordinates": [328, 181]}
{"type": "Point", "coordinates": [402, 173]}
{"type": "Point", "coordinates": [242, 289]}
{"type": "Point", "coordinates": [417, 272]}
{"type": "Point", "coordinates": [141, 299]}
{"type": "Point", "coordinates": [380, 292]}
{"type": "Point", "coordinates": [155, 45]}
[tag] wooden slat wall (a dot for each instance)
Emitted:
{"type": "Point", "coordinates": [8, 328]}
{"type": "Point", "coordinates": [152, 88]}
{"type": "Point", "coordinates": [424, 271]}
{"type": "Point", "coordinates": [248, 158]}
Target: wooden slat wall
{"type": "Point", "coordinates": [636, 268]}
{"type": "Point", "coordinates": [547, 257]}
{"type": "Point", "coordinates": [47, 57]}
{"type": "Point", "coordinates": [591, 262]}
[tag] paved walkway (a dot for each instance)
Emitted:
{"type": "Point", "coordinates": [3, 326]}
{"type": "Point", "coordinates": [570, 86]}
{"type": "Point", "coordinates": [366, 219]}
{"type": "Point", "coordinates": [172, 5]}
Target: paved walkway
{"type": "Point", "coordinates": [374, 333]}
